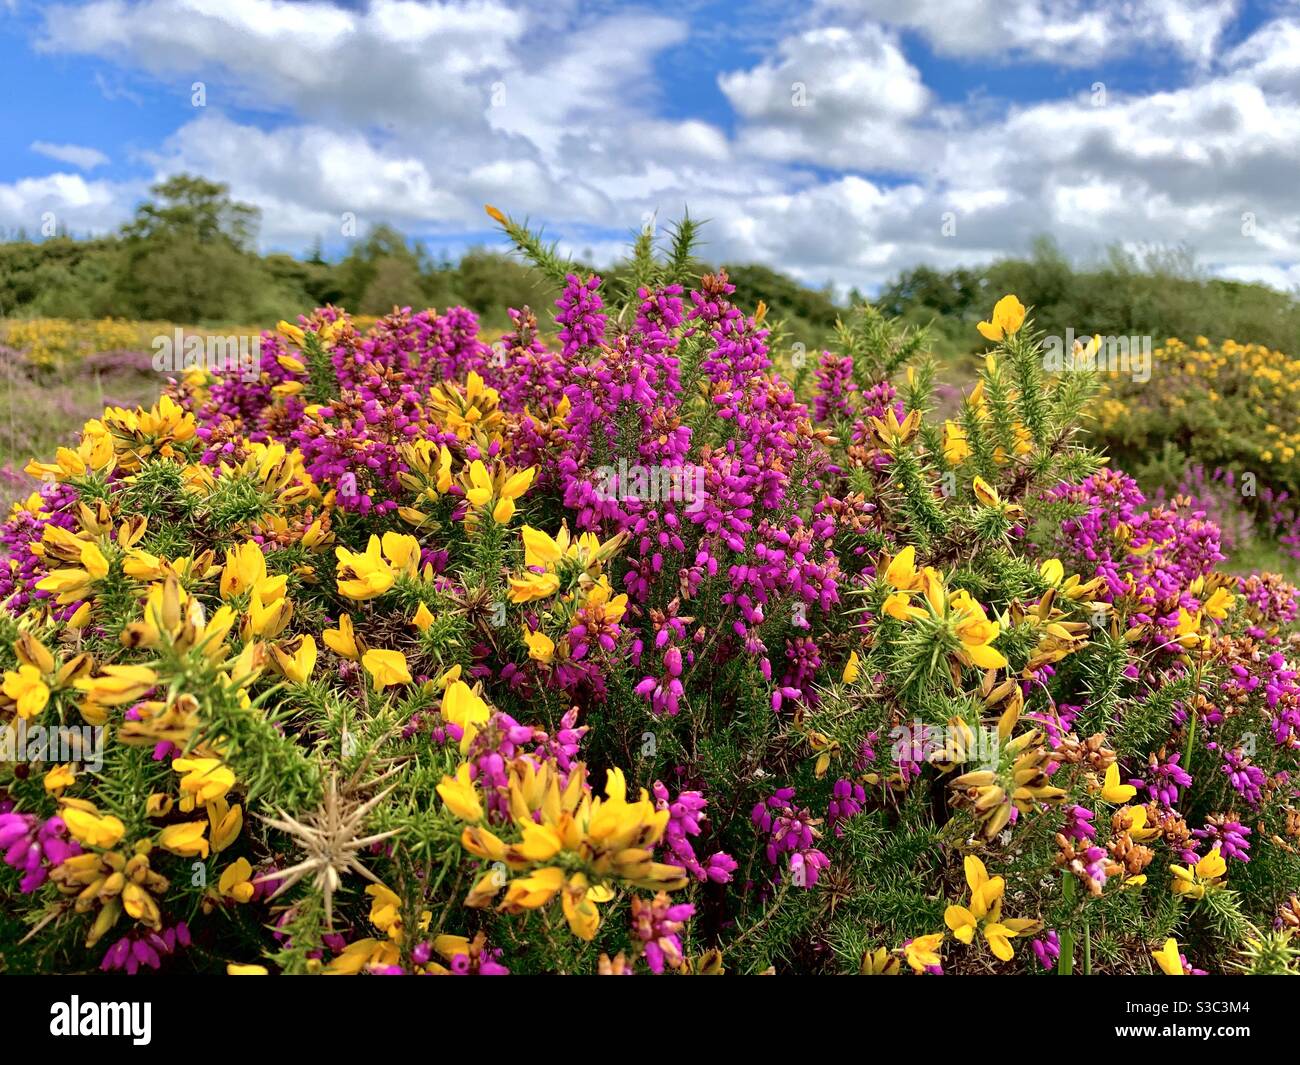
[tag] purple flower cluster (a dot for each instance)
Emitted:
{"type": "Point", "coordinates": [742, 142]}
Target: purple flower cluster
{"type": "Point", "coordinates": [790, 831]}
{"type": "Point", "coordinates": [1147, 558]}
{"type": "Point", "coordinates": [33, 847]}
{"type": "Point", "coordinates": [1228, 835]}
{"type": "Point", "coordinates": [502, 740]}
{"type": "Point", "coordinates": [625, 415]}
{"type": "Point", "coordinates": [847, 797]}
{"type": "Point", "coordinates": [581, 323]}
{"type": "Point", "coordinates": [1047, 949]}
{"type": "Point", "coordinates": [1078, 824]}
{"type": "Point", "coordinates": [1273, 602]}
{"type": "Point", "coordinates": [480, 960]}
{"type": "Point", "coordinates": [1164, 779]}
{"type": "Point", "coordinates": [835, 387]}
{"type": "Point", "coordinates": [143, 948]}
{"type": "Point", "coordinates": [657, 925]}
{"type": "Point", "coordinates": [685, 814]}
{"type": "Point", "coordinates": [20, 566]}
{"type": "Point", "coordinates": [1219, 497]}
{"type": "Point", "coordinates": [375, 401]}
{"type": "Point", "coordinates": [1246, 778]}
{"type": "Point", "coordinates": [665, 689]}
{"type": "Point", "coordinates": [1094, 865]}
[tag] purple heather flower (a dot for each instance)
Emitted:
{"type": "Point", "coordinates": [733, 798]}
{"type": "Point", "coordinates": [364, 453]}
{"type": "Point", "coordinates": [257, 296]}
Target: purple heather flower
{"type": "Point", "coordinates": [1047, 949]}
{"type": "Point", "coordinates": [1164, 779]}
{"type": "Point", "coordinates": [685, 817]}
{"type": "Point", "coordinates": [143, 948]}
{"type": "Point", "coordinates": [1246, 779]}
{"type": "Point", "coordinates": [581, 323]}
{"type": "Point", "coordinates": [847, 797]}
{"type": "Point", "coordinates": [791, 832]}
{"type": "Point", "coordinates": [1229, 836]}
{"type": "Point", "coordinates": [656, 923]}
{"type": "Point", "coordinates": [1078, 824]}
{"type": "Point", "coordinates": [34, 848]}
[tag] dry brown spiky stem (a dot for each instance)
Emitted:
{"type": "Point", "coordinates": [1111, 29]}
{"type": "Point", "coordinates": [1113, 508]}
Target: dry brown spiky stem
{"type": "Point", "coordinates": [328, 838]}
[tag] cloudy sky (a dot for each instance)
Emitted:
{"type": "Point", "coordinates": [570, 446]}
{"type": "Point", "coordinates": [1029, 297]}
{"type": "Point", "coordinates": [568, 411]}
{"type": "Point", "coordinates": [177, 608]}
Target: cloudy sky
{"type": "Point", "coordinates": [841, 140]}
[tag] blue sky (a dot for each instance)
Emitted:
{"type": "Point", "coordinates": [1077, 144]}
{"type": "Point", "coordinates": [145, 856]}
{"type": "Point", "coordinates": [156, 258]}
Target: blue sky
{"type": "Point", "coordinates": [842, 140]}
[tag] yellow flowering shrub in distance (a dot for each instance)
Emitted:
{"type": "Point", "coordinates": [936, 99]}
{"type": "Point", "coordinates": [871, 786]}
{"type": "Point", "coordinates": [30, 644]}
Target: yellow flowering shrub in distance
{"type": "Point", "coordinates": [50, 343]}
{"type": "Point", "coordinates": [1231, 405]}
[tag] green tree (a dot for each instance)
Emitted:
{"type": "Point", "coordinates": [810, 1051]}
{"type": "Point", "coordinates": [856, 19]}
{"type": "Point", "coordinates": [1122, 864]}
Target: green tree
{"type": "Point", "coordinates": [198, 208]}
{"type": "Point", "coordinates": [396, 283]}
{"type": "Point", "coordinates": [188, 255]}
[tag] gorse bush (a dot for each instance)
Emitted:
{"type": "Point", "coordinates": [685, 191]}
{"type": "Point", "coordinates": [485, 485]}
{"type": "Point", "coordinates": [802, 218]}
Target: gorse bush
{"type": "Point", "coordinates": [1216, 425]}
{"type": "Point", "coordinates": [1231, 405]}
{"type": "Point", "coordinates": [1158, 293]}
{"type": "Point", "coordinates": [624, 654]}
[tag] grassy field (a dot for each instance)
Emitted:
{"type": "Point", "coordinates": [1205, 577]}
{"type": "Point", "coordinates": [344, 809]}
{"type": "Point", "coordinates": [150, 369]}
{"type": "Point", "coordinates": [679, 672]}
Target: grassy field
{"type": "Point", "coordinates": [43, 410]}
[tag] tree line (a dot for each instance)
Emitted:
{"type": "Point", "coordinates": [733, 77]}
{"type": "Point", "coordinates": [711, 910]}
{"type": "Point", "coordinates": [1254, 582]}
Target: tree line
{"type": "Point", "coordinates": [190, 255]}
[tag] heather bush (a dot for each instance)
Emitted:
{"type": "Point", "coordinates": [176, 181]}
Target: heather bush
{"type": "Point", "coordinates": [629, 653]}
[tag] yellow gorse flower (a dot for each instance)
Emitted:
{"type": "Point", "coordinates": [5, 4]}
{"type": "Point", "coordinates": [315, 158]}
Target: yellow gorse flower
{"type": "Point", "coordinates": [463, 707]}
{"type": "Point", "coordinates": [224, 823]}
{"type": "Point", "coordinates": [1112, 790]}
{"type": "Point", "coordinates": [296, 664]}
{"type": "Point", "coordinates": [984, 913]}
{"type": "Point", "coordinates": [364, 575]}
{"type": "Point", "coordinates": [559, 561]}
{"type": "Point", "coordinates": [292, 333]}
{"type": "Point", "coordinates": [386, 668]}
{"type": "Point", "coordinates": [68, 584]}
{"type": "Point", "coordinates": [141, 434]}
{"type": "Point", "coordinates": [571, 843]}
{"type": "Point", "coordinates": [496, 490]}
{"type": "Point", "coordinates": [60, 777]}
{"type": "Point", "coordinates": [203, 780]}
{"type": "Point", "coordinates": [186, 839]}
{"type": "Point", "coordinates": [114, 686]}
{"type": "Point", "coordinates": [429, 476]}
{"type": "Point", "coordinates": [956, 446]}
{"type": "Point", "coordinates": [879, 962]}
{"type": "Point", "coordinates": [90, 828]}
{"type": "Point", "coordinates": [422, 618]}
{"type": "Point", "coordinates": [892, 433]}
{"type": "Point", "coordinates": [1218, 604]}
{"type": "Point", "coordinates": [1008, 317]}
{"type": "Point", "coordinates": [236, 881]}
{"type": "Point", "coordinates": [28, 690]}
{"type": "Point", "coordinates": [245, 570]}
{"type": "Point", "coordinates": [386, 912]}
{"type": "Point", "coordinates": [460, 795]}
{"type": "Point", "coordinates": [541, 648]}
{"type": "Point", "coordinates": [94, 454]}
{"type": "Point", "coordinates": [1169, 958]}
{"type": "Point", "coordinates": [975, 632]}
{"type": "Point", "coordinates": [472, 412]}
{"type": "Point", "coordinates": [958, 621]}
{"type": "Point", "coordinates": [1194, 882]}
{"type": "Point", "coordinates": [1052, 571]}
{"type": "Point", "coordinates": [923, 952]}
{"type": "Point", "coordinates": [343, 641]}
{"type": "Point", "coordinates": [172, 615]}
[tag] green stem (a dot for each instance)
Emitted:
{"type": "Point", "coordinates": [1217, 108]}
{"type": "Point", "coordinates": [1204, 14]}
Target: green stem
{"type": "Point", "coordinates": [1065, 962]}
